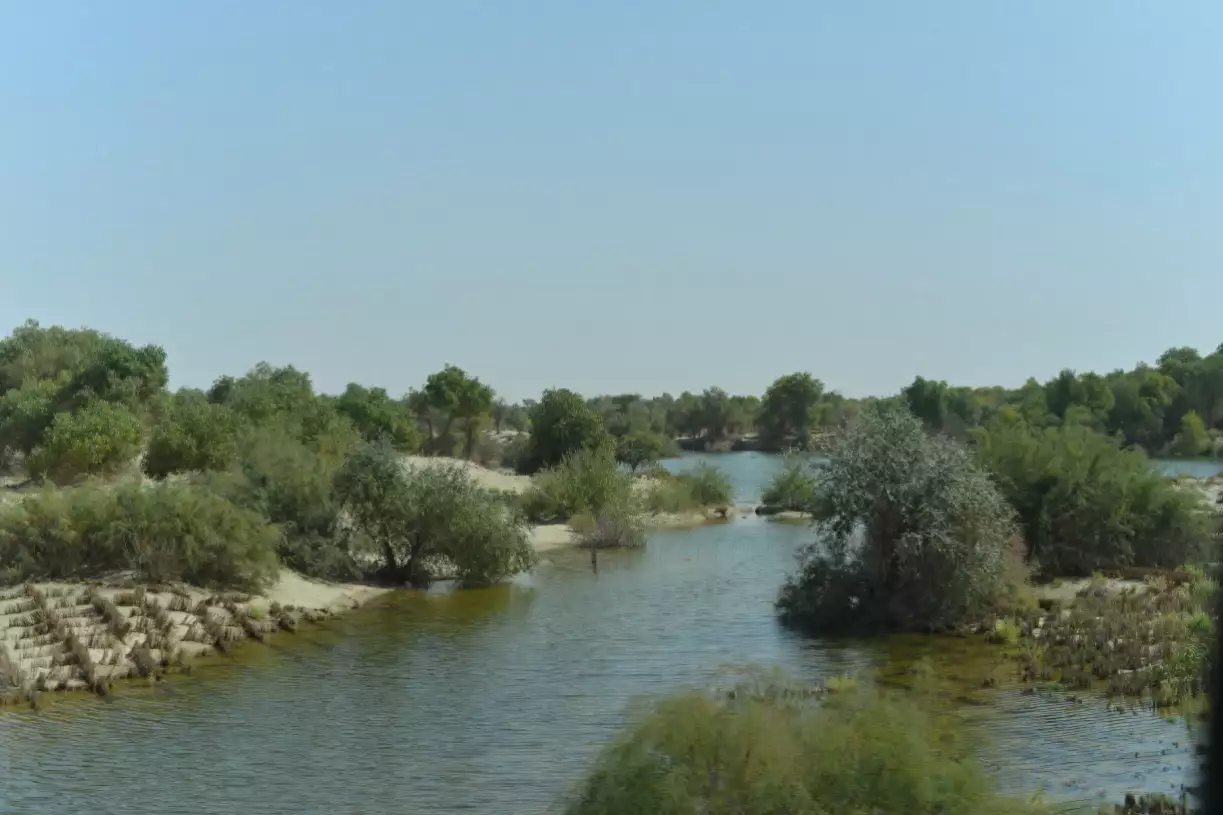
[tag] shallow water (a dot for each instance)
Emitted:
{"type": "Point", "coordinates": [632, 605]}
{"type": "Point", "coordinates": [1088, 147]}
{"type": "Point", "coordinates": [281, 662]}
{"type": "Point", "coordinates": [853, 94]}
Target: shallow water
{"type": "Point", "coordinates": [496, 701]}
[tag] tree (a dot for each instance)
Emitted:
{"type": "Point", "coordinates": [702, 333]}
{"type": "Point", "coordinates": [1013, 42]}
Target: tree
{"type": "Point", "coordinates": [376, 416]}
{"type": "Point", "coordinates": [642, 448]}
{"type": "Point", "coordinates": [32, 352]}
{"type": "Point", "coordinates": [416, 515]}
{"type": "Point", "coordinates": [26, 413]}
{"type": "Point", "coordinates": [1192, 440]}
{"type": "Point", "coordinates": [191, 434]}
{"type": "Point", "coordinates": [789, 409]}
{"type": "Point", "coordinates": [459, 396]}
{"type": "Point", "coordinates": [912, 535]}
{"type": "Point", "coordinates": [562, 423]}
{"type": "Point", "coordinates": [119, 372]}
{"type": "Point", "coordinates": [98, 439]}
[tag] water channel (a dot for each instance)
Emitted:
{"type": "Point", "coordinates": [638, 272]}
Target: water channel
{"type": "Point", "coordinates": [496, 701]}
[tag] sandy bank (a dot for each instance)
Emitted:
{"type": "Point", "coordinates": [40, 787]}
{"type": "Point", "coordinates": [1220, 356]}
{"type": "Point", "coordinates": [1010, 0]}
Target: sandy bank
{"type": "Point", "coordinates": [489, 479]}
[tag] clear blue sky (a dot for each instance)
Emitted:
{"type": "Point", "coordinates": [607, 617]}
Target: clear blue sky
{"type": "Point", "coordinates": [617, 196]}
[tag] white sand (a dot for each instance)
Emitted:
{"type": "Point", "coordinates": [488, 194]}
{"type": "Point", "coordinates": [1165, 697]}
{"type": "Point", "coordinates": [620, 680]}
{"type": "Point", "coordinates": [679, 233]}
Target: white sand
{"type": "Point", "coordinates": [293, 589]}
{"type": "Point", "coordinates": [489, 479]}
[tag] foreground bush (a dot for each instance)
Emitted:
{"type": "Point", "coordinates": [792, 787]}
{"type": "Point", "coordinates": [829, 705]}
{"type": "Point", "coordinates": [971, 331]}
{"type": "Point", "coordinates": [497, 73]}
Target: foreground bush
{"type": "Point", "coordinates": [585, 481]}
{"type": "Point", "coordinates": [415, 516]}
{"type": "Point", "coordinates": [912, 535]}
{"type": "Point", "coordinates": [165, 533]}
{"type": "Point", "coordinates": [777, 750]}
{"type": "Point", "coordinates": [793, 488]}
{"type": "Point", "coordinates": [1087, 505]}
{"type": "Point", "coordinates": [617, 525]}
{"type": "Point", "coordinates": [98, 439]}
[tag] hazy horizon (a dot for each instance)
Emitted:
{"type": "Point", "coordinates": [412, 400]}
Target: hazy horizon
{"type": "Point", "coordinates": [634, 198]}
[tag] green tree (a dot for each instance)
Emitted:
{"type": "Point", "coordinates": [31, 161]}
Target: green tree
{"type": "Point", "coordinates": [26, 413]}
{"type": "Point", "coordinates": [1192, 440]}
{"type": "Point", "coordinates": [562, 423]}
{"type": "Point", "coordinates": [458, 396]}
{"type": "Point", "coordinates": [375, 415]}
{"type": "Point", "coordinates": [118, 372]}
{"type": "Point", "coordinates": [414, 516]}
{"type": "Point", "coordinates": [32, 352]}
{"type": "Point", "coordinates": [641, 448]}
{"type": "Point", "coordinates": [789, 409]}
{"type": "Point", "coordinates": [98, 439]}
{"type": "Point", "coordinates": [191, 434]}
{"type": "Point", "coordinates": [912, 535]}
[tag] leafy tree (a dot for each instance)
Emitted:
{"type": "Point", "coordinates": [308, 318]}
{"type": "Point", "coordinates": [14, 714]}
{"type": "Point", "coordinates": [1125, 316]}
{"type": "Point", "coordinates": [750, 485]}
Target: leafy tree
{"type": "Point", "coordinates": [789, 409]}
{"type": "Point", "coordinates": [191, 434]}
{"type": "Point", "coordinates": [98, 439]}
{"type": "Point", "coordinates": [927, 400]}
{"type": "Point", "coordinates": [416, 515]}
{"type": "Point", "coordinates": [457, 395]}
{"type": "Point", "coordinates": [584, 481]}
{"type": "Point", "coordinates": [376, 416]}
{"type": "Point", "coordinates": [32, 352]}
{"type": "Point", "coordinates": [266, 393]}
{"type": "Point", "coordinates": [26, 413]}
{"type": "Point", "coordinates": [1085, 504]}
{"type": "Point", "coordinates": [561, 424]}
{"type": "Point", "coordinates": [641, 448]}
{"type": "Point", "coordinates": [912, 535]}
{"type": "Point", "coordinates": [1192, 440]}
{"type": "Point", "coordinates": [119, 372]}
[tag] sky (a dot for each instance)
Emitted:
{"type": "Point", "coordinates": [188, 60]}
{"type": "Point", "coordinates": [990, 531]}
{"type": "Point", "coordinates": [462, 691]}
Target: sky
{"type": "Point", "coordinates": [632, 196]}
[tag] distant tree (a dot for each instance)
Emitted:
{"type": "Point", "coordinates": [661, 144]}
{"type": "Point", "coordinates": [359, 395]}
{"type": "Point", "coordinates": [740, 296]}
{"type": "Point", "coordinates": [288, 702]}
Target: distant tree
{"type": "Point", "coordinates": [562, 423]}
{"type": "Point", "coordinates": [266, 393]}
{"type": "Point", "coordinates": [98, 439]}
{"type": "Point", "coordinates": [1192, 440]}
{"type": "Point", "coordinates": [912, 535]}
{"type": "Point", "coordinates": [459, 396]}
{"type": "Point", "coordinates": [642, 448]}
{"type": "Point", "coordinates": [376, 415]}
{"type": "Point", "coordinates": [191, 434]}
{"type": "Point", "coordinates": [789, 409]}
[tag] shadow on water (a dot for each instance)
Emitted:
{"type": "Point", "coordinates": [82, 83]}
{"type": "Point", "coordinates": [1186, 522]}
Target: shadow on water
{"type": "Point", "coordinates": [497, 700]}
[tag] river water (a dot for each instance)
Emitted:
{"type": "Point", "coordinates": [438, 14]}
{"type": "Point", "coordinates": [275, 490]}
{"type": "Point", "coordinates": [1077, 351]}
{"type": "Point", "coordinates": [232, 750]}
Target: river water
{"type": "Point", "coordinates": [496, 701]}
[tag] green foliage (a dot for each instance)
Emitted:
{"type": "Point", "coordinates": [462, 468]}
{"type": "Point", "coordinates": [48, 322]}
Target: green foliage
{"type": "Point", "coordinates": [172, 531]}
{"type": "Point", "coordinates": [99, 439]}
{"type": "Point", "coordinates": [191, 434]}
{"type": "Point", "coordinates": [584, 481]}
{"type": "Point", "coordinates": [641, 448]}
{"type": "Point", "coordinates": [26, 413]}
{"type": "Point", "coordinates": [376, 416]}
{"type": "Point", "coordinates": [119, 372]}
{"type": "Point", "coordinates": [766, 750]}
{"type": "Point", "coordinates": [619, 524]}
{"type": "Point", "coordinates": [793, 488]}
{"type": "Point", "coordinates": [789, 409]}
{"type": "Point", "coordinates": [414, 516]}
{"type": "Point", "coordinates": [455, 395]}
{"type": "Point", "coordinates": [708, 485]}
{"type": "Point", "coordinates": [34, 353]}
{"type": "Point", "coordinates": [561, 425]}
{"type": "Point", "coordinates": [911, 534]}
{"type": "Point", "coordinates": [703, 486]}
{"type": "Point", "coordinates": [1192, 439]}
{"type": "Point", "coordinates": [1084, 504]}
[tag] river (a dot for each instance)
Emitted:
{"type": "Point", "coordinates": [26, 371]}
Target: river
{"type": "Point", "coordinates": [496, 701]}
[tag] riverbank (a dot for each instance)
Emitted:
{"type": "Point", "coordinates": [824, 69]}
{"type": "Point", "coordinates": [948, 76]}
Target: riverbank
{"type": "Point", "coordinates": [87, 636]}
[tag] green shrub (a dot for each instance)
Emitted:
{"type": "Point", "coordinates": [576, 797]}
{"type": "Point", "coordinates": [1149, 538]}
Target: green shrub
{"type": "Point", "coordinates": [1085, 504]}
{"type": "Point", "coordinates": [764, 750]}
{"type": "Point", "coordinates": [169, 532]}
{"type": "Point", "coordinates": [584, 481]}
{"type": "Point", "coordinates": [709, 486]}
{"type": "Point", "coordinates": [643, 448]}
{"type": "Point", "coordinates": [562, 423]}
{"type": "Point", "coordinates": [670, 493]}
{"type": "Point", "coordinates": [191, 434]}
{"type": "Point", "coordinates": [98, 439]}
{"type": "Point", "coordinates": [617, 525]}
{"type": "Point", "coordinates": [911, 534]}
{"type": "Point", "coordinates": [415, 515]}
{"type": "Point", "coordinates": [793, 488]}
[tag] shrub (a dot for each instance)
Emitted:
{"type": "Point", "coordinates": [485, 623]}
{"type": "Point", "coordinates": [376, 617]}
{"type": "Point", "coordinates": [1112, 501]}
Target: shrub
{"type": "Point", "coordinates": [778, 749]}
{"type": "Point", "coordinates": [912, 535]}
{"type": "Point", "coordinates": [617, 525]}
{"type": "Point", "coordinates": [584, 481]}
{"type": "Point", "coordinates": [561, 425]}
{"type": "Point", "coordinates": [413, 516]}
{"type": "Point", "coordinates": [98, 439]}
{"type": "Point", "coordinates": [191, 434]}
{"type": "Point", "coordinates": [642, 448]}
{"type": "Point", "coordinates": [793, 488]}
{"type": "Point", "coordinates": [708, 485]}
{"type": "Point", "coordinates": [172, 531]}
{"type": "Point", "coordinates": [1085, 504]}
{"type": "Point", "coordinates": [376, 416]}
